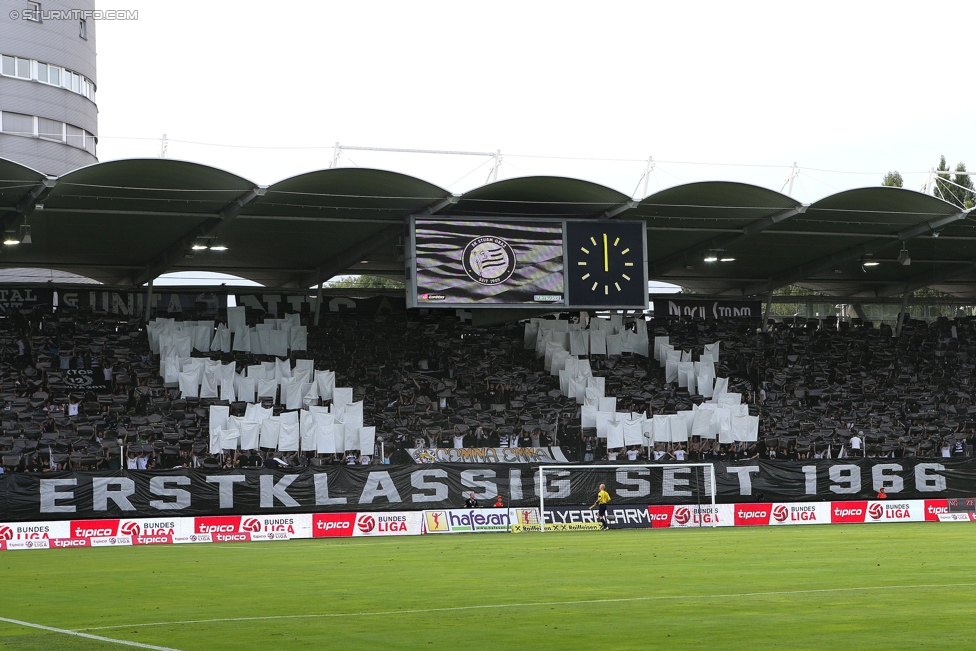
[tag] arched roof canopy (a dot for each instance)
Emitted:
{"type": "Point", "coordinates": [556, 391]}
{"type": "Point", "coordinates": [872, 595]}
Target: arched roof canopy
{"type": "Point", "coordinates": [16, 182]}
{"type": "Point", "coordinates": [823, 245]}
{"type": "Point", "coordinates": [124, 222]}
{"type": "Point", "coordinates": [540, 196]}
{"type": "Point", "coordinates": [327, 221]}
{"type": "Point", "coordinates": [686, 222]}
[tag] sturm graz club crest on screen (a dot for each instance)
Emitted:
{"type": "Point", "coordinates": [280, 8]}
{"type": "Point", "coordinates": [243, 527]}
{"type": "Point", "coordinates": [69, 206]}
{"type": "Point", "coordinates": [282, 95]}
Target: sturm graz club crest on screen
{"type": "Point", "coordinates": [488, 260]}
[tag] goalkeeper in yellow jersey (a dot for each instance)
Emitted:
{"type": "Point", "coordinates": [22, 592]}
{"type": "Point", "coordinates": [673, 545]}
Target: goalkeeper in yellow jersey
{"type": "Point", "coordinates": [602, 498]}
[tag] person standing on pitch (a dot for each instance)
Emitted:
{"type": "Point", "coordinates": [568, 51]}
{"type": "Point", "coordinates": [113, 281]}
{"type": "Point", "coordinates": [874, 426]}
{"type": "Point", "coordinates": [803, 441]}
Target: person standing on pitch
{"type": "Point", "coordinates": [602, 498]}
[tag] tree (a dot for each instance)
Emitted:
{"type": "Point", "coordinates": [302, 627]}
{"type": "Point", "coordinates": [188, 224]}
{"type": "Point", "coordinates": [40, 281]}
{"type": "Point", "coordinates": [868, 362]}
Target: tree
{"type": "Point", "coordinates": [964, 187]}
{"type": "Point", "coordinates": [893, 180]}
{"type": "Point", "coordinates": [365, 282]}
{"type": "Point", "coordinates": [959, 191]}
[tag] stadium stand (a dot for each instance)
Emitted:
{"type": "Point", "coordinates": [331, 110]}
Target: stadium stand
{"type": "Point", "coordinates": [430, 380]}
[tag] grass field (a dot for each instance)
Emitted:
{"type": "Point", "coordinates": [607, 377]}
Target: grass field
{"type": "Point", "coordinates": [896, 586]}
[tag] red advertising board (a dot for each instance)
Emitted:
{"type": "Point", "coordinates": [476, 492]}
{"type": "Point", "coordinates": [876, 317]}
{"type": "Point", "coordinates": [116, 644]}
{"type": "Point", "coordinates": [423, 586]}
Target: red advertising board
{"type": "Point", "coordinates": [217, 524]}
{"type": "Point", "coordinates": [752, 515]}
{"type": "Point", "coordinates": [848, 512]}
{"type": "Point", "coordinates": [94, 528]}
{"type": "Point", "coordinates": [933, 508]}
{"type": "Point", "coordinates": [660, 516]}
{"type": "Point", "coordinates": [332, 525]}
{"type": "Point", "coordinates": [165, 539]}
{"type": "Point", "coordinates": [66, 543]}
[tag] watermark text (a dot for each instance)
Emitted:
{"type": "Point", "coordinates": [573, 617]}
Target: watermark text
{"type": "Point", "coordinates": [40, 15]}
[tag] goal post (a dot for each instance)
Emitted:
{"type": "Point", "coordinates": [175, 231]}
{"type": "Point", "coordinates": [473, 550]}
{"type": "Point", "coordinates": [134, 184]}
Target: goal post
{"type": "Point", "coordinates": [673, 481]}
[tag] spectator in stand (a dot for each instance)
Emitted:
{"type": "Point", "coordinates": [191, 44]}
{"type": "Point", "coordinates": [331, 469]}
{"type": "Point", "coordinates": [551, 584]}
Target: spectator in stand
{"type": "Point", "coordinates": [64, 359]}
{"type": "Point", "coordinates": [480, 437]}
{"type": "Point", "coordinates": [21, 352]}
{"type": "Point", "coordinates": [678, 453]}
{"type": "Point", "coordinates": [856, 442]}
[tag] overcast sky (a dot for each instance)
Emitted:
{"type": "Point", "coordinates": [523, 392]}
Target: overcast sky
{"type": "Point", "coordinates": [849, 86]}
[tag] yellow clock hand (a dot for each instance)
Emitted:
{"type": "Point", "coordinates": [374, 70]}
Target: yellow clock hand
{"type": "Point", "coordinates": [606, 254]}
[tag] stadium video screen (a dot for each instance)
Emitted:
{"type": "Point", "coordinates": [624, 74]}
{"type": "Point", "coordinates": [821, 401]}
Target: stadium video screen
{"type": "Point", "coordinates": [487, 263]}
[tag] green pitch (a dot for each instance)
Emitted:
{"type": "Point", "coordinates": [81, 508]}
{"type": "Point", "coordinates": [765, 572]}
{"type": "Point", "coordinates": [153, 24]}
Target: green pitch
{"type": "Point", "coordinates": [877, 586]}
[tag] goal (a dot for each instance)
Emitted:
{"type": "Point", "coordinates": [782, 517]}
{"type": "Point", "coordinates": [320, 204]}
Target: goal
{"type": "Point", "coordinates": [629, 485]}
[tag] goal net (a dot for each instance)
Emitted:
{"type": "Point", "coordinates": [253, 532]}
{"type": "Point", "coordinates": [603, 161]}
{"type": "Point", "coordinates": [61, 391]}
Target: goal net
{"type": "Point", "coordinates": [636, 491]}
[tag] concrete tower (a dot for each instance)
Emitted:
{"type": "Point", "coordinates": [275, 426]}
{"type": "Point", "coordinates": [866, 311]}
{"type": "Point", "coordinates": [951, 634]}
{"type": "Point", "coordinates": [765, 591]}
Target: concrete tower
{"type": "Point", "coordinates": [48, 115]}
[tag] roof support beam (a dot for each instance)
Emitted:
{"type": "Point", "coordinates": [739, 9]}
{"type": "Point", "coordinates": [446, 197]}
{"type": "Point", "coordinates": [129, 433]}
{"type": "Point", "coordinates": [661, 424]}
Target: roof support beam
{"type": "Point", "coordinates": [695, 252]}
{"type": "Point", "coordinates": [913, 283]}
{"type": "Point", "coordinates": [175, 251]}
{"type": "Point", "coordinates": [827, 262]}
{"type": "Point", "coordinates": [340, 262]}
{"type": "Point", "coordinates": [440, 205]}
{"type": "Point", "coordinates": [619, 208]}
{"type": "Point", "coordinates": [28, 203]}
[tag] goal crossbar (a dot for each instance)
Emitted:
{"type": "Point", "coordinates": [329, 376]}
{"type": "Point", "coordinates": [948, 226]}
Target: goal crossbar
{"type": "Point", "coordinates": [708, 467]}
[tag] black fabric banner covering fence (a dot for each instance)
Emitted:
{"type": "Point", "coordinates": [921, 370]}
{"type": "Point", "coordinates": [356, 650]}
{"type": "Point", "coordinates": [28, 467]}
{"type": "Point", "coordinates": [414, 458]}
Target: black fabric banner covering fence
{"type": "Point", "coordinates": [76, 495]}
{"type": "Point", "coordinates": [276, 303]}
{"type": "Point", "coordinates": [705, 308]}
{"type": "Point", "coordinates": [16, 298]}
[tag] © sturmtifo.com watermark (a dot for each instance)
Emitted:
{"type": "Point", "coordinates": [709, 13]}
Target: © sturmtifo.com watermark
{"type": "Point", "coordinates": [40, 15]}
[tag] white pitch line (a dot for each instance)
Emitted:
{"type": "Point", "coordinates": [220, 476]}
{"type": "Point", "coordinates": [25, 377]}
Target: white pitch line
{"type": "Point", "coordinates": [735, 595]}
{"type": "Point", "coordinates": [86, 635]}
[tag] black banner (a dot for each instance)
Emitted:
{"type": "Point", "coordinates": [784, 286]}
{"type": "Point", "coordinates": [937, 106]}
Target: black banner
{"type": "Point", "coordinates": [706, 309]}
{"type": "Point", "coordinates": [76, 495]}
{"type": "Point", "coordinates": [277, 303]}
{"type": "Point", "coordinates": [86, 379]}
{"type": "Point", "coordinates": [128, 303]}
{"type": "Point", "coordinates": [16, 298]}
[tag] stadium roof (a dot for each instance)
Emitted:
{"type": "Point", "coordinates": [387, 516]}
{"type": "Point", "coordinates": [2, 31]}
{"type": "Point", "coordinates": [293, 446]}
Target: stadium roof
{"type": "Point", "coordinates": [124, 222]}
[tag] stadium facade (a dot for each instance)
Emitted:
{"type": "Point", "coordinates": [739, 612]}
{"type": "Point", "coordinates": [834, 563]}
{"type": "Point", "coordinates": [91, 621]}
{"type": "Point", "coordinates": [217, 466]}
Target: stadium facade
{"type": "Point", "coordinates": [48, 114]}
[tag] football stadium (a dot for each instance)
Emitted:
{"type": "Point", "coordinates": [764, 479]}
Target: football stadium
{"type": "Point", "coordinates": [501, 435]}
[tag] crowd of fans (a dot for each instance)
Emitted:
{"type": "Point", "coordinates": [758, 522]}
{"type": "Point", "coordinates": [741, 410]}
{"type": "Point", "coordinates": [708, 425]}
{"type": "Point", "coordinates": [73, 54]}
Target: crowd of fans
{"type": "Point", "coordinates": [82, 391]}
